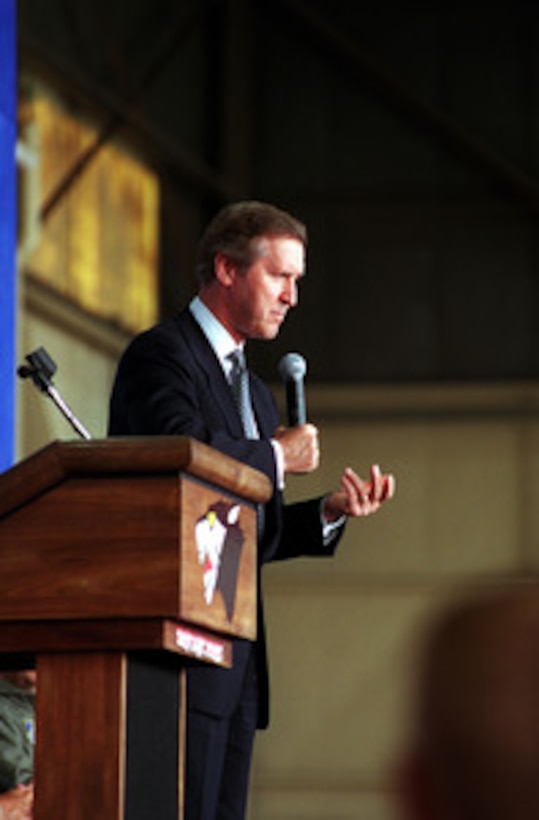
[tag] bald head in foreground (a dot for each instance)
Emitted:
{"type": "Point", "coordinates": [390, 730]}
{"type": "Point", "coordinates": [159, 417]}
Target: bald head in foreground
{"type": "Point", "coordinates": [475, 755]}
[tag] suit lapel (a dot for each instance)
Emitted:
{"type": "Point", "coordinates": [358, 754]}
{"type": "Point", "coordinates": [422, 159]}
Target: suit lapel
{"type": "Point", "coordinates": [210, 366]}
{"type": "Point", "coordinates": [259, 398]}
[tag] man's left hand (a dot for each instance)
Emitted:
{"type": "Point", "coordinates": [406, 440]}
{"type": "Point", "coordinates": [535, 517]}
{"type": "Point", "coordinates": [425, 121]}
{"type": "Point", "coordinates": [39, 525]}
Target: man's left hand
{"type": "Point", "coordinates": [356, 497]}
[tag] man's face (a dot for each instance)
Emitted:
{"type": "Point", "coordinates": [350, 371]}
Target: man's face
{"type": "Point", "coordinates": [260, 297]}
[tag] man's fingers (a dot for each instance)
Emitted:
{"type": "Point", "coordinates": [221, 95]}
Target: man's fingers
{"type": "Point", "coordinates": [369, 494]}
{"type": "Point", "coordinates": [390, 487]}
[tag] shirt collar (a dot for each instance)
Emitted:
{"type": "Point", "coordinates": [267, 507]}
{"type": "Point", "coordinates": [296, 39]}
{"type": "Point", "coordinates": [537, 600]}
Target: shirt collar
{"type": "Point", "coordinates": [221, 341]}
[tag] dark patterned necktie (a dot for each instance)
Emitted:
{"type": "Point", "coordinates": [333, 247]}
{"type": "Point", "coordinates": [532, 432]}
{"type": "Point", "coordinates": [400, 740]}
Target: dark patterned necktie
{"type": "Point", "coordinates": [239, 381]}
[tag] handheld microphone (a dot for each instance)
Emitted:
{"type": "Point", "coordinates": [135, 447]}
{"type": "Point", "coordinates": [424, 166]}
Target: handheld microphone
{"type": "Point", "coordinates": [292, 368]}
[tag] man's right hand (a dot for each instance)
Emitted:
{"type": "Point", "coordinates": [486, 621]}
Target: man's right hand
{"type": "Point", "coordinates": [300, 446]}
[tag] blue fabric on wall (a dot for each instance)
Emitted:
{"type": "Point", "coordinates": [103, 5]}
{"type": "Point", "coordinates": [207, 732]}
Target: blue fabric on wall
{"type": "Point", "coordinates": [8, 231]}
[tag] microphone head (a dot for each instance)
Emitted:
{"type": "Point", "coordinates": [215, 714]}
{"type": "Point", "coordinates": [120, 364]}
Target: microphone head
{"type": "Point", "coordinates": [292, 366]}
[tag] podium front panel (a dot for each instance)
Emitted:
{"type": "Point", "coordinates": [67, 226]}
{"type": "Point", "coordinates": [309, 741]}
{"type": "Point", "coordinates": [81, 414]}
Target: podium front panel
{"type": "Point", "coordinates": [132, 546]}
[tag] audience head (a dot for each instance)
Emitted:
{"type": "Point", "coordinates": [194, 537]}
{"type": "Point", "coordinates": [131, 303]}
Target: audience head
{"type": "Point", "coordinates": [475, 754]}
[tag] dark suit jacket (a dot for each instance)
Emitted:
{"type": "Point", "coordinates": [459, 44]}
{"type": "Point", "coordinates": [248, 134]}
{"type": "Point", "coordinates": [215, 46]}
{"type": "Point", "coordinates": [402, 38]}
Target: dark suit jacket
{"type": "Point", "coordinates": [170, 382]}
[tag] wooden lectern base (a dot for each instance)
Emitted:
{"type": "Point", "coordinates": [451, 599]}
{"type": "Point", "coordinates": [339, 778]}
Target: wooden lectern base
{"type": "Point", "coordinates": [112, 724]}
{"type": "Point", "coordinates": [110, 713]}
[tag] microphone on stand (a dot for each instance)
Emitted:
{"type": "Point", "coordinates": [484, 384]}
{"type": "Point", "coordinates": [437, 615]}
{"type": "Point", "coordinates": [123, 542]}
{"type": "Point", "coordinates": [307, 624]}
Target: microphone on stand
{"type": "Point", "coordinates": [41, 368]}
{"type": "Point", "coordinates": [292, 368]}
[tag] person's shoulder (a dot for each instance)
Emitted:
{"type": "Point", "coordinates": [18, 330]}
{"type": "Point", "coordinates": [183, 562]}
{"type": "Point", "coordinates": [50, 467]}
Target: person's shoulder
{"type": "Point", "coordinates": [165, 327]}
{"type": "Point", "coordinates": [166, 332]}
{"type": "Point", "coordinates": [6, 689]}
{"type": "Point", "coordinates": [13, 692]}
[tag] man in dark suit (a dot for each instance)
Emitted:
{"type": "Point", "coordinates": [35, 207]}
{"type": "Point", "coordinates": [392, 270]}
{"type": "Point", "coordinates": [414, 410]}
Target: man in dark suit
{"type": "Point", "coordinates": [175, 379]}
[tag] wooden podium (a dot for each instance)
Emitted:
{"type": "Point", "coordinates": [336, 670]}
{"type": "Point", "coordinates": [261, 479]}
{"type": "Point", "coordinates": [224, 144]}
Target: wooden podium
{"type": "Point", "coordinates": [122, 561]}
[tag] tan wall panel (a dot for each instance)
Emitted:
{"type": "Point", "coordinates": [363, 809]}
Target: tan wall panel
{"type": "Point", "coordinates": [457, 503]}
{"type": "Point", "coordinates": [312, 804]}
{"type": "Point", "coordinates": [86, 354]}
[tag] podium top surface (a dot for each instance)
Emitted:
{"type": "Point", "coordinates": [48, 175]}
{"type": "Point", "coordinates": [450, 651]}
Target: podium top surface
{"type": "Point", "coordinates": [59, 461]}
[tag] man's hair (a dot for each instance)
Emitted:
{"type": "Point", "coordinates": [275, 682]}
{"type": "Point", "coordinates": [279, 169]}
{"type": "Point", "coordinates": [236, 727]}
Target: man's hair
{"type": "Point", "coordinates": [235, 231]}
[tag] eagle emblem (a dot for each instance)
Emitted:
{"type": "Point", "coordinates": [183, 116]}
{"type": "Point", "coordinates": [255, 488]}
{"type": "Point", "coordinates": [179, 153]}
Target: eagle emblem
{"type": "Point", "coordinates": [219, 540]}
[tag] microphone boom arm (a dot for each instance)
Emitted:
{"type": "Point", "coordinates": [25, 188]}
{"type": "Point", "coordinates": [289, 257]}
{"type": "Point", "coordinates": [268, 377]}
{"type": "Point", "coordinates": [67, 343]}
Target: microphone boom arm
{"type": "Point", "coordinates": [64, 408]}
{"type": "Point", "coordinates": [41, 368]}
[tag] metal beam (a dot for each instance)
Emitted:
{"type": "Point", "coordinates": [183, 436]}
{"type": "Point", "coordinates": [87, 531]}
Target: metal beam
{"type": "Point", "coordinates": [406, 102]}
{"type": "Point", "coordinates": [124, 115]}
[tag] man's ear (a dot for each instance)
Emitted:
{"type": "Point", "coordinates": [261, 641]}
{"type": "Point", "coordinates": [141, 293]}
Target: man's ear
{"type": "Point", "coordinates": [225, 269]}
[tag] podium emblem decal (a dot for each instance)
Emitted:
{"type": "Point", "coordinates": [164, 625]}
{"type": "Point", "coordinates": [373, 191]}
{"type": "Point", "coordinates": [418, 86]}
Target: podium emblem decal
{"type": "Point", "coordinates": [219, 540]}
